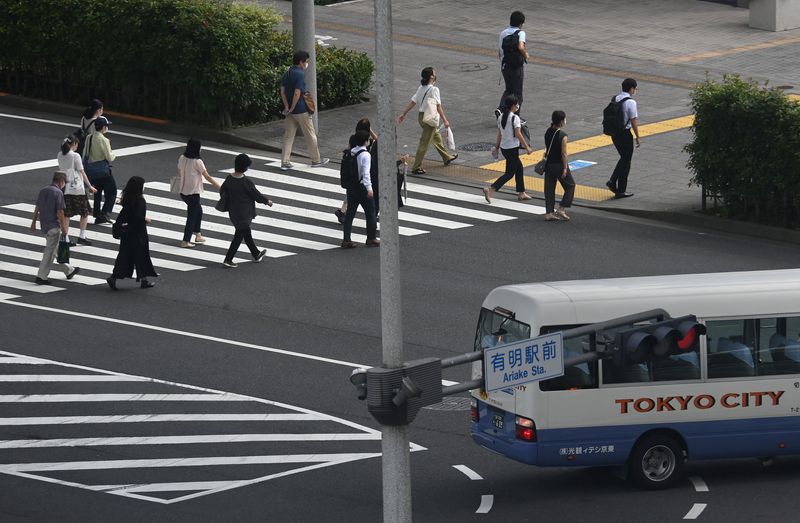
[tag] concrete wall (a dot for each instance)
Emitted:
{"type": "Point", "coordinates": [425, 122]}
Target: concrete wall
{"type": "Point", "coordinates": [775, 15]}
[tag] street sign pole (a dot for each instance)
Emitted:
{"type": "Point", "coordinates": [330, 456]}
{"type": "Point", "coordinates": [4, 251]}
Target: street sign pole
{"type": "Point", "coordinates": [395, 440]}
{"type": "Point", "coordinates": [303, 39]}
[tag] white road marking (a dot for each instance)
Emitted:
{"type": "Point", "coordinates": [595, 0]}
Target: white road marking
{"type": "Point", "coordinates": [182, 440]}
{"type": "Point", "coordinates": [699, 484]}
{"type": "Point", "coordinates": [79, 398]}
{"type": "Point", "coordinates": [194, 335]}
{"type": "Point", "coordinates": [6, 296]}
{"type": "Point", "coordinates": [487, 500]}
{"type": "Point", "coordinates": [156, 418]}
{"type": "Point", "coordinates": [27, 285]}
{"type": "Point", "coordinates": [30, 270]}
{"type": "Point", "coordinates": [48, 378]}
{"type": "Point", "coordinates": [471, 474]}
{"type": "Point", "coordinates": [5, 360]}
{"type": "Point", "coordinates": [125, 151]}
{"type": "Point", "coordinates": [695, 511]}
{"type": "Point", "coordinates": [75, 126]}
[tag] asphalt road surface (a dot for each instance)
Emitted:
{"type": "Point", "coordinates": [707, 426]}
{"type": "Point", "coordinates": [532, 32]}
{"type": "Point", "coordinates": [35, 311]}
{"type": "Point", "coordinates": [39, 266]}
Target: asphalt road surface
{"type": "Point", "coordinates": [222, 395]}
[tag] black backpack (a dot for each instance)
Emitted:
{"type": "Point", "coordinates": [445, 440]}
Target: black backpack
{"type": "Point", "coordinates": [614, 121]}
{"type": "Point", "coordinates": [348, 171]}
{"type": "Point", "coordinates": [81, 133]}
{"type": "Point", "coordinates": [511, 55]}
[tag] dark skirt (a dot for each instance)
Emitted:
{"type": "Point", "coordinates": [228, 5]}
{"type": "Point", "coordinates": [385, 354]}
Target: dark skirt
{"type": "Point", "coordinates": [76, 205]}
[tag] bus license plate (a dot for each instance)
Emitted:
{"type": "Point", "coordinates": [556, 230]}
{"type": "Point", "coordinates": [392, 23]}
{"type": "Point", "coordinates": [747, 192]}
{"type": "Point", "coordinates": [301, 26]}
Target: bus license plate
{"type": "Point", "coordinates": [497, 421]}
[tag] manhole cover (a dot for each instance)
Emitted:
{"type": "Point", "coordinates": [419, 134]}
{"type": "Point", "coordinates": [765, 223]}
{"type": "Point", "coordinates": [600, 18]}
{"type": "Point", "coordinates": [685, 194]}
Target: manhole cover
{"type": "Point", "coordinates": [477, 146]}
{"type": "Point", "coordinates": [451, 404]}
{"type": "Point", "coordinates": [785, 87]}
{"type": "Point", "coordinates": [469, 67]}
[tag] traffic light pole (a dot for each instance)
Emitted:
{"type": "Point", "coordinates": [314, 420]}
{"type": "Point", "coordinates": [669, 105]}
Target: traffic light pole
{"type": "Point", "coordinates": [395, 440]}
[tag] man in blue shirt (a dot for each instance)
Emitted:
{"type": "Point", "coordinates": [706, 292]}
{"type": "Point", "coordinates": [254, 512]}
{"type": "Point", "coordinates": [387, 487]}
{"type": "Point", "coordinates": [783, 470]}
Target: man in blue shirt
{"type": "Point", "coordinates": [50, 211]}
{"type": "Point", "coordinates": [293, 89]}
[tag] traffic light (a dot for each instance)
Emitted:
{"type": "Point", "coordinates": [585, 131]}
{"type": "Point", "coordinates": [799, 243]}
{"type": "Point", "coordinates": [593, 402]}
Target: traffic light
{"type": "Point", "coordinates": [395, 396]}
{"type": "Point", "coordinates": [661, 339]}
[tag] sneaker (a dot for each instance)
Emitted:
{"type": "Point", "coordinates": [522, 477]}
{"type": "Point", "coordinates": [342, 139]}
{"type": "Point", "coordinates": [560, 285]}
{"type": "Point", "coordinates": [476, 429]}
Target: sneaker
{"type": "Point", "coordinates": [552, 217]}
{"type": "Point", "coordinates": [75, 271]}
{"type": "Point", "coordinates": [373, 243]}
{"type": "Point", "coordinates": [562, 213]}
{"type": "Point", "coordinates": [41, 281]}
{"type": "Point", "coordinates": [186, 245]}
{"type": "Point", "coordinates": [339, 215]}
{"type": "Point", "coordinates": [322, 161]}
{"type": "Point", "coordinates": [347, 244]}
{"type": "Point", "coordinates": [260, 256]}
{"type": "Point", "coordinates": [100, 220]}
{"type": "Point", "coordinates": [199, 238]}
{"type": "Point", "coordinates": [497, 113]}
{"type": "Point", "coordinates": [230, 264]}
{"type": "Point", "coordinates": [286, 166]}
{"type": "Point", "coordinates": [84, 241]}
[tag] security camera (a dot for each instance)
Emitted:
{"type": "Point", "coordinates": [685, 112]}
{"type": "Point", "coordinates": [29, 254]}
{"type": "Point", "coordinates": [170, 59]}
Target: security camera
{"type": "Point", "coordinates": [359, 380]}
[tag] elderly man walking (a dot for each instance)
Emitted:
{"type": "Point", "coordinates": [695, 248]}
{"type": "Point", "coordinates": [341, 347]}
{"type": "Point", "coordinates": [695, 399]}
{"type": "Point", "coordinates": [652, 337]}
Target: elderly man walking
{"type": "Point", "coordinates": [50, 212]}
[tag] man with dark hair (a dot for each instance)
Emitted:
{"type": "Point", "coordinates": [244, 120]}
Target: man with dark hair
{"type": "Point", "coordinates": [50, 211]}
{"type": "Point", "coordinates": [513, 57]}
{"type": "Point", "coordinates": [623, 141]}
{"type": "Point", "coordinates": [293, 90]}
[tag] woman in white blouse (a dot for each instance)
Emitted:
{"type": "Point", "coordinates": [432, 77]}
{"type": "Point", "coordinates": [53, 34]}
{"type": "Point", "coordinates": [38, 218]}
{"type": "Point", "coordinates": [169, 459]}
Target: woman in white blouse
{"type": "Point", "coordinates": [191, 172]}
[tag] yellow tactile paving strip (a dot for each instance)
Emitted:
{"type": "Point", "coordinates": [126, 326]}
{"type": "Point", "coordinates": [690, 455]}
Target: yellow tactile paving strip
{"type": "Point", "coordinates": [585, 192]}
{"type": "Point", "coordinates": [735, 50]}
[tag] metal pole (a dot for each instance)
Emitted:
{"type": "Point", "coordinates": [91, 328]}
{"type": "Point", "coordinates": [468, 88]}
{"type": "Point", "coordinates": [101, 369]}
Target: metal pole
{"type": "Point", "coordinates": [303, 39]}
{"type": "Point", "coordinates": [395, 442]}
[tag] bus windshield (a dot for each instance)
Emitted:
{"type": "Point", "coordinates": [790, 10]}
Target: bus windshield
{"type": "Point", "coordinates": [499, 327]}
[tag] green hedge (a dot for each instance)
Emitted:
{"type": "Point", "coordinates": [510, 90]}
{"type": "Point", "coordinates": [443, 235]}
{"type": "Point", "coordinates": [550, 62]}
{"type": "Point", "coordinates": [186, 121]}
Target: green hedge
{"type": "Point", "coordinates": [208, 61]}
{"type": "Point", "coordinates": [746, 150]}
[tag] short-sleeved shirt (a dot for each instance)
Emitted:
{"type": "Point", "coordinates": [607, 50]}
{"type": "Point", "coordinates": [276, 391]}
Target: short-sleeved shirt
{"type": "Point", "coordinates": [426, 92]}
{"type": "Point", "coordinates": [295, 78]}
{"type": "Point", "coordinates": [629, 109]}
{"type": "Point", "coordinates": [98, 148]}
{"type": "Point", "coordinates": [508, 134]}
{"type": "Point", "coordinates": [49, 202]}
{"type": "Point", "coordinates": [364, 162]}
{"type": "Point", "coordinates": [72, 165]}
{"type": "Point", "coordinates": [192, 170]}
{"type": "Point", "coordinates": [507, 31]}
{"type": "Point", "coordinates": [554, 156]}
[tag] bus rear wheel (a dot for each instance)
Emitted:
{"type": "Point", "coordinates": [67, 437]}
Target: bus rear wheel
{"type": "Point", "coordinates": [656, 462]}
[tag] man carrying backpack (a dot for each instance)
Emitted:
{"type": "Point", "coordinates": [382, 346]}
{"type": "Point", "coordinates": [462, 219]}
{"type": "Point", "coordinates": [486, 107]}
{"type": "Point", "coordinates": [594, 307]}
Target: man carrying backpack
{"type": "Point", "coordinates": [513, 57]}
{"type": "Point", "coordinates": [355, 177]}
{"type": "Point", "coordinates": [619, 118]}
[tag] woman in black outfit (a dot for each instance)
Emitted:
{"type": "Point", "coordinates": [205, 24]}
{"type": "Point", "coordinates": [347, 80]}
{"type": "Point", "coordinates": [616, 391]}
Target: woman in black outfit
{"type": "Point", "coordinates": [134, 245]}
{"type": "Point", "coordinates": [240, 195]}
{"type": "Point", "coordinates": [557, 169]}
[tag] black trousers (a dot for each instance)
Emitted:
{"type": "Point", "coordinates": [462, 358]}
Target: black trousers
{"type": "Point", "coordinates": [106, 187]}
{"type": "Point", "coordinates": [624, 144]}
{"type": "Point", "coordinates": [356, 197]}
{"type": "Point", "coordinates": [513, 79]}
{"type": "Point", "coordinates": [242, 233]}
{"type": "Point", "coordinates": [514, 170]}
{"type": "Point", "coordinates": [194, 215]}
{"type": "Point", "coordinates": [552, 175]}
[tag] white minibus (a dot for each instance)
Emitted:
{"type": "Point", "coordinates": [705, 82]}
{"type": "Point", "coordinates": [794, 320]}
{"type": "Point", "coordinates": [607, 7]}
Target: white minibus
{"type": "Point", "coordinates": [734, 393]}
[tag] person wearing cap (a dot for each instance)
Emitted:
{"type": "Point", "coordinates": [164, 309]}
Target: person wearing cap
{"type": "Point", "coordinates": [98, 157]}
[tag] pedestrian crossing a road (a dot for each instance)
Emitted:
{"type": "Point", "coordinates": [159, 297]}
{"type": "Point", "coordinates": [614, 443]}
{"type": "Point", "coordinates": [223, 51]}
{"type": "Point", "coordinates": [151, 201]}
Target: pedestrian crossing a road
{"type": "Point", "coordinates": [154, 440]}
{"type": "Point", "coordinates": [301, 221]}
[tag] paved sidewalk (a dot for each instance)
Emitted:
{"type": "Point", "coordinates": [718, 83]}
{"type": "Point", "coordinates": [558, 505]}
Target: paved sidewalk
{"type": "Point", "coordinates": [580, 56]}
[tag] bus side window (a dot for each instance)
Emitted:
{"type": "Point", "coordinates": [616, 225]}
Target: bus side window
{"type": "Point", "coordinates": [581, 376]}
{"type": "Point", "coordinates": [728, 356]}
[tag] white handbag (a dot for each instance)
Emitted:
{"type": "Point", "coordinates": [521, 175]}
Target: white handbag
{"type": "Point", "coordinates": [176, 183]}
{"type": "Point", "coordinates": [430, 113]}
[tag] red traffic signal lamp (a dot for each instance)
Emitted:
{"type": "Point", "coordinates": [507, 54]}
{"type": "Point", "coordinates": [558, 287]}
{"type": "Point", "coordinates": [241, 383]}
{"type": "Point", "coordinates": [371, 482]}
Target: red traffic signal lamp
{"type": "Point", "coordinates": [661, 339]}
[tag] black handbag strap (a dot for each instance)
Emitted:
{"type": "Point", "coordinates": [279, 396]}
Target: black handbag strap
{"type": "Point", "coordinates": [553, 139]}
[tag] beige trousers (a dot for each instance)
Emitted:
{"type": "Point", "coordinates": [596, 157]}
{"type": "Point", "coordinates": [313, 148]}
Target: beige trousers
{"type": "Point", "coordinates": [306, 124]}
{"type": "Point", "coordinates": [53, 235]}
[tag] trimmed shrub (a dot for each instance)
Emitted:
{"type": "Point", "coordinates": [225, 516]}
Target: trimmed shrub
{"type": "Point", "coordinates": [208, 61]}
{"type": "Point", "coordinates": [746, 150]}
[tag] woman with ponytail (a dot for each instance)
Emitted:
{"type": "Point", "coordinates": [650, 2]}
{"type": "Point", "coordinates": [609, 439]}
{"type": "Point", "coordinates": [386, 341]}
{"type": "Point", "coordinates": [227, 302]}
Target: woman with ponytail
{"type": "Point", "coordinates": [75, 199]}
{"type": "Point", "coordinates": [509, 138]}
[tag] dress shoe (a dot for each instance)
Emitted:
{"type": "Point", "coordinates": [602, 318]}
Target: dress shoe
{"type": "Point", "coordinates": [348, 244]}
{"type": "Point", "coordinates": [611, 187]}
{"type": "Point", "coordinates": [373, 243]}
{"type": "Point", "coordinates": [339, 215]}
{"type": "Point", "coordinates": [451, 160]}
{"type": "Point", "coordinates": [623, 195]}
{"type": "Point", "coordinates": [147, 284]}
{"type": "Point", "coordinates": [41, 281]}
{"type": "Point", "coordinates": [112, 283]}
{"type": "Point", "coordinates": [100, 220]}
{"type": "Point", "coordinates": [75, 271]}
{"type": "Point", "coordinates": [84, 241]}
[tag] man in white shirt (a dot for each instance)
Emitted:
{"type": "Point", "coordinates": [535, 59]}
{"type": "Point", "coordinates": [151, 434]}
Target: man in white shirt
{"type": "Point", "coordinates": [512, 62]}
{"type": "Point", "coordinates": [618, 184]}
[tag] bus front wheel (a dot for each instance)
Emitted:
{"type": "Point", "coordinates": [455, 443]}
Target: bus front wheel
{"type": "Point", "coordinates": [656, 462]}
